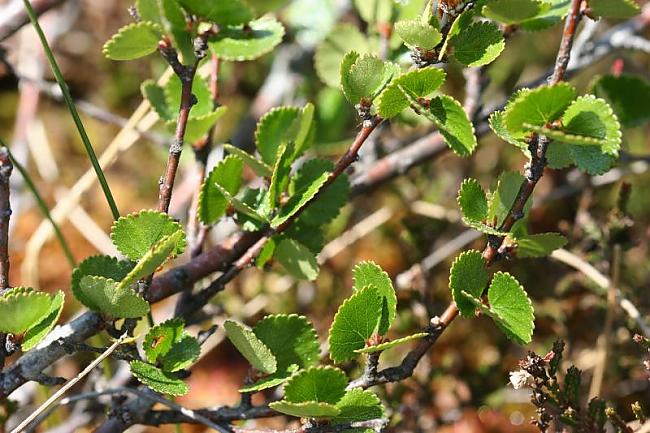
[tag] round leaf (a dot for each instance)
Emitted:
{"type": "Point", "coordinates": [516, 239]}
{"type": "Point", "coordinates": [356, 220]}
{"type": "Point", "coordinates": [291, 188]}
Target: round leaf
{"type": "Point", "coordinates": [133, 41]}
{"type": "Point", "coordinates": [239, 44]}
{"type": "Point", "coordinates": [135, 234]}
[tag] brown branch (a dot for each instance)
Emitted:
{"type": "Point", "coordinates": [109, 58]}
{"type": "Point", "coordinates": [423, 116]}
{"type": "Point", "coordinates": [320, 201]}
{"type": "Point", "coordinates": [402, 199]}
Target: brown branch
{"type": "Point", "coordinates": [186, 75]}
{"type": "Point", "coordinates": [6, 168]}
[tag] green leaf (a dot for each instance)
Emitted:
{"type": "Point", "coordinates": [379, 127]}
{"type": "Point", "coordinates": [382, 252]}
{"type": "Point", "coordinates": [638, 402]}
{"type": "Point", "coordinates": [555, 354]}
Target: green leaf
{"type": "Point", "coordinates": [104, 295]}
{"type": "Point", "coordinates": [330, 200]}
{"type": "Point", "coordinates": [514, 11]}
{"type": "Point", "coordinates": [539, 245]}
{"type": "Point", "coordinates": [621, 9]}
{"type": "Point", "coordinates": [242, 207]}
{"type": "Point", "coordinates": [330, 52]}
{"type": "Point", "coordinates": [238, 44]}
{"type": "Point", "coordinates": [317, 384]}
{"type": "Point", "coordinates": [260, 168]}
{"type": "Point", "coordinates": [156, 97]}
{"type": "Point", "coordinates": [281, 171]}
{"type": "Point", "coordinates": [264, 6]}
{"type": "Point", "coordinates": [101, 266]}
{"type": "Point", "coordinates": [452, 123]}
{"type": "Point", "coordinates": [169, 344]}
{"type": "Point", "coordinates": [511, 308]}
{"type": "Point", "coordinates": [390, 344]}
{"type": "Point", "coordinates": [468, 274]}
{"type": "Point", "coordinates": [275, 128]}
{"type": "Point", "coordinates": [558, 10]}
{"type": "Point", "coordinates": [297, 259]}
{"type": "Point", "coordinates": [479, 44]}
{"type": "Point", "coordinates": [22, 308]}
{"type": "Point", "coordinates": [504, 195]}
{"type": "Point", "coordinates": [293, 342]}
{"type": "Point", "coordinates": [153, 259]}
{"type": "Point", "coordinates": [37, 332]}
{"type": "Point", "coordinates": [415, 33]}
{"type": "Point", "coordinates": [370, 274]}
{"type": "Point", "coordinates": [626, 95]}
{"type": "Point", "coordinates": [133, 41]}
{"type": "Point", "coordinates": [157, 379]}
{"type": "Point", "coordinates": [182, 354]}
{"type": "Point", "coordinates": [148, 10]}
{"type": "Point", "coordinates": [256, 201]}
{"type": "Point", "coordinates": [419, 82]}
{"type": "Point", "coordinates": [589, 116]}
{"type": "Point", "coordinates": [247, 343]}
{"type": "Point", "coordinates": [160, 339]}
{"type": "Point", "coordinates": [354, 323]}
{"type": "Point", "coordinates": [588, 159]}
{"type": "Point", "coordinates": [222, 12]}
{"type": "Point", "coordinates": [310, 236]}
{"type": "Point", "coordinates": [309, 409]}
{"type": "Point", "coordinates": [135, 234]}
{"type": "Point", "coordinates": [472, 201]}
{"type": "Point", "coordinates": [460, 24]}
{"type": "Point", "coordinates": [375, 11]}
{"type": "Point", "coordinates": [212, 203]}
{"type": "Point", "coordinates": [358, 405]}
{"type": "Point", "coordinates": [365, 77]}
{"type": "Point", "coordinates": [518, 139]}
{"type": "Point", "coordinates": [176, 24]}
{"type": "Point", "coordinates": [300, 198]}
{"type": "Point", "coordinates": [538, 107]}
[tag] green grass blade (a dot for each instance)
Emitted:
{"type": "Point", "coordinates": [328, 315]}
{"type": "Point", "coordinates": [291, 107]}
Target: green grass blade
{"type": "Point", "coordinates": [73, 111]}
{"type": "Point", "coordinates": [42, 206]}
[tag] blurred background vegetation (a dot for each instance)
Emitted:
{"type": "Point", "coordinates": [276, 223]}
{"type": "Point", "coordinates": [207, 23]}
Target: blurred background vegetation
{"type": "Point", "coordinates": [464, 385]}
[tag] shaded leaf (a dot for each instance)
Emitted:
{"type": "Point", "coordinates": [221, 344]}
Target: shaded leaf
{"type": "Point", "coordinates": [297, 259]}
{"type": "Point", "coordinates": [37, 332]}
{"type": "Point", "coordinates": [212, 203]}
{"type": "Point", "coordinates": [247, 343]}
{"type": "Point", "coordinates": [222, 12]}
{"type": "Point", "coordinates": [239, 44]}
{"type": "Point", "coordinates": [419, 82]}
{"type": "Point", "coordinates": [158, 380]}
{"type": "Point", "coordinates": [319, 384]}
{"type": "Point", "coordinates": [104, 295]}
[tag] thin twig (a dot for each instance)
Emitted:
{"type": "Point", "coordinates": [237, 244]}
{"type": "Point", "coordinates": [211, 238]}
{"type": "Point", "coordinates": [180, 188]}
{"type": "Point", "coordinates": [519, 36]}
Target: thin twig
{"type": "Point", "coordinates": [570, 259]}
{"type": "Point", "coordinates": [605, 338]}
{"type": "Point", "coordinates": [6, 168]}
{"type": "Point", "coordinates": [57, 395]}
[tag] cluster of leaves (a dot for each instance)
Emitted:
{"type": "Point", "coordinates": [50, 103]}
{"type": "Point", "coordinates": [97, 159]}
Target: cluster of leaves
{"type": "Point", "coordinates": [109, 285]}
{"type": "Point", "coordinates": [232, 30]}
{"type": "Point", "coordinates": [285, 348]}
{"type": "Point", "coordinates": [282, 136]}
